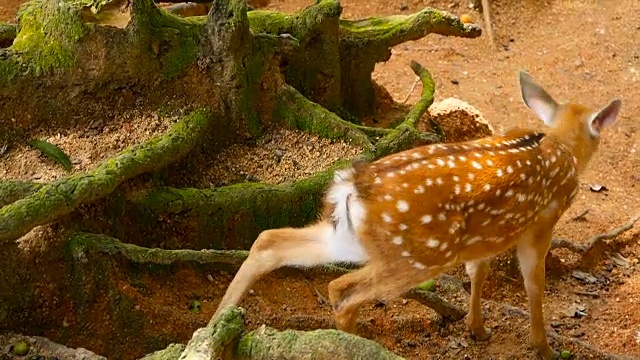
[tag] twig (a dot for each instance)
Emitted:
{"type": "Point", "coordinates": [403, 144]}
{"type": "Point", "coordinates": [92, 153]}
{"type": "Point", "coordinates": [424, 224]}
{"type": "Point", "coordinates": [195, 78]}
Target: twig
{"type": "Point", "coordinates": [442, 307]}
{"type": "Point", "coordinates": [486, 11]}
{"type": "Point", "coordinates": [581, 216]}
{"type": "Point", "coordinates": [413, 87]}
{"type": "Point", "coordinates": [584, 248]}
{"type": "Point", "coordinates": [587, 293]}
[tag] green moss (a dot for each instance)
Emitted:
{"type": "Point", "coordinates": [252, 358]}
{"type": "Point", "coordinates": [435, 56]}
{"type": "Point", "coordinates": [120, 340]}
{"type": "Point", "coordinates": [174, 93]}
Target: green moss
{"type": "Point", "coordinates": [267, 343]}
{"type": "Point", "coordinates": [8, 32]}
{"type": "Point", "coordinates": [272, 22]}
{"type": "Point", "coordinates": [9, 69]}
{"type": "Point", "coordinates": [298, 112]}
{"type": "Point", "coordinates": [48, 29]}
{"type": "Point", "coordinates": [172, 352]}
{"type": "Point", "coordinates": [180, 37]}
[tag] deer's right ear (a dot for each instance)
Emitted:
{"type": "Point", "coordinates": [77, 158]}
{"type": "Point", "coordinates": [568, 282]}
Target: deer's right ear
{"type": "Point", "coordinates": [537, 99]}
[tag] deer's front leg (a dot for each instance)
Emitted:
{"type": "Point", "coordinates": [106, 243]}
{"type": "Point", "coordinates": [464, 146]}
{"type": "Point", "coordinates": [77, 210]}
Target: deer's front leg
{"type": "Point", "coordinates": [478, 271]}
{"type": "Point", "coordinates": [532, 250]}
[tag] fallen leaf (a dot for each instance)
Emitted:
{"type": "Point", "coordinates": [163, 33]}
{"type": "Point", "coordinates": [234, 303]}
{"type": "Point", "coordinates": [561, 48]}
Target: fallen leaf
{"type": "Point", "coordinates": [597, 188]}
{"type": "Point", "coordinates": [620, 260]}
{"type": "Point", "coordinates": [575, 311]}
{"type": "Point", "coordinates": [586, 277]}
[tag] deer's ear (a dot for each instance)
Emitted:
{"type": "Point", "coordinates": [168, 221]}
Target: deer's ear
{"type": "Point", "coordinates": [607, 116]}
{"type": "Point", "coordinates": [537, 99]}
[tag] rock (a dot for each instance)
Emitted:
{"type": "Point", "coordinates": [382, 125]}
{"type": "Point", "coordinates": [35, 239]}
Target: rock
{"type": "Point", "coordinates": [455, 81]}
{"type": "Point", "coordinates": [278, 154]}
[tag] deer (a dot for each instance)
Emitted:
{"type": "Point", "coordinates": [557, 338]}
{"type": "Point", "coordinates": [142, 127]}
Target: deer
{"type": "Point", "coordinates": [412, 215]}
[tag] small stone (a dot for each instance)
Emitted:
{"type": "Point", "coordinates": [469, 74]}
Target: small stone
{"type": "Point", "coordinates": [36, 357]}
{"type": "Point", "coordinates": [209, 277]}
{"type": "Point", "coordinates": [411, 344]}
{"type": "Point", "coordinates": [251, 292]}
{"type": "Point", "coordinates": [455, 81]}
{"type": "Point", "coordinates": [278, 154]}
{"type": "Point", "coordinates": [512, 39]}
{"type": "Point", "coordinates": [404, 7]}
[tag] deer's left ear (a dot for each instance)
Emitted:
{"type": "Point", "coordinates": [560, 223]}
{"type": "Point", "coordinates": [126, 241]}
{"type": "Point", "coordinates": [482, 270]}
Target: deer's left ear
{"type": "Point", "coordinates": [605, 117]}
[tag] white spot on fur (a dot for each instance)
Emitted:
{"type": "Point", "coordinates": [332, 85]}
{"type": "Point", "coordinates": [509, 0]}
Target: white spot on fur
{"type": "Point", "coordinates": [397, 240]}
{"type": "Point", "coordinates": [487, 187]}
{"type": "Point", "coordinates": [402, 206]}
{"type": "Point", "coordinates": [499, 172]}
{"type": "Point", "coordinates": [442, 216]}
{"type": "Point", "coordinates": [439, 181]}
{"type": "Point", "coordinates": [426, 219]}
{"type": "Point", "coordinates": [402, 227]}
{"type": "Point", "coordinates": [386, 218]}
{"type": "Point", "coordinates": [476, 165]}
{"type": "Point", "coordinates": [467, 187]}
{"type": "Point", "coordinates": [405, 253]}
{"type": "Point", "coordinates": [455, 178]}
{"type": "Point", "coordinates": [419, 266]}
{"type": "Point", "coordinates": [432, 243]}
{"type": "Point", "coordinates": [474, 240]}
{"type": "Point", "coordinates": [429, 182]}
{"type": "Point", "coordinates": [419, 189]}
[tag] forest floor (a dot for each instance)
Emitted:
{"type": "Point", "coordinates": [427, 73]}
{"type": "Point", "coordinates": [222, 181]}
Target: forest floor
{"type": "Point", "coordinates": [579, 50]}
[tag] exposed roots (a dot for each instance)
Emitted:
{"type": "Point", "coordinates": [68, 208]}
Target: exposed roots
{"type": "Point", "coordinates": [594, 241]}
{"type": "Point", "coordinates": [221, 339]}
{"type": "Point", "coordinates": [61, 197]}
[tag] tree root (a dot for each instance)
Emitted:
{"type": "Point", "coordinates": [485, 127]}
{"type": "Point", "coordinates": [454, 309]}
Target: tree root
{"type": "Point", "coordinates": [81, 242]}
{"type": "Point", "coordinates": [14, 190]}
{"type": "Point", "coordinates": [61, 197]}
{"type": "Point", "coordinates": [219, 340]}
{"type": "Point", "coordinates": [439, 305]}
{"type": "Point", "coordinates": [594, 241]}
{"type": "Point", "coordinates": [405, 135]}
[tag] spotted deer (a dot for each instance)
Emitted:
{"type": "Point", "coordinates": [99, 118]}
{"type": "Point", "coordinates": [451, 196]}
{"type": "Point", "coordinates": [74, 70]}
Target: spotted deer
{"type": "Point", "coordinates": [412, 215]}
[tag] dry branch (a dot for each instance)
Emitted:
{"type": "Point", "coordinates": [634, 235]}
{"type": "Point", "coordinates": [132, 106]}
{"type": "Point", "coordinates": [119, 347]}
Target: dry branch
{"type": "Point", "coordinates": [591, 243]}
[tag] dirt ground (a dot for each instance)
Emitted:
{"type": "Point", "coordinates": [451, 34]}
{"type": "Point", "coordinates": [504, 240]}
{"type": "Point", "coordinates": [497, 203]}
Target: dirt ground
{"type": "Point", "coordinates": [580, 50]}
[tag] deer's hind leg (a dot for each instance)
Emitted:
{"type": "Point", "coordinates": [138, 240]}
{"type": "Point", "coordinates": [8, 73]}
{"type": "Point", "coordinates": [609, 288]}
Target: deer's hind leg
{"type": "Point", "coordinates": [374, 281]}
{"type": "Point", "coordinates": [273, 249]}
{"type": "Point", "coordinates": [478, 271]}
